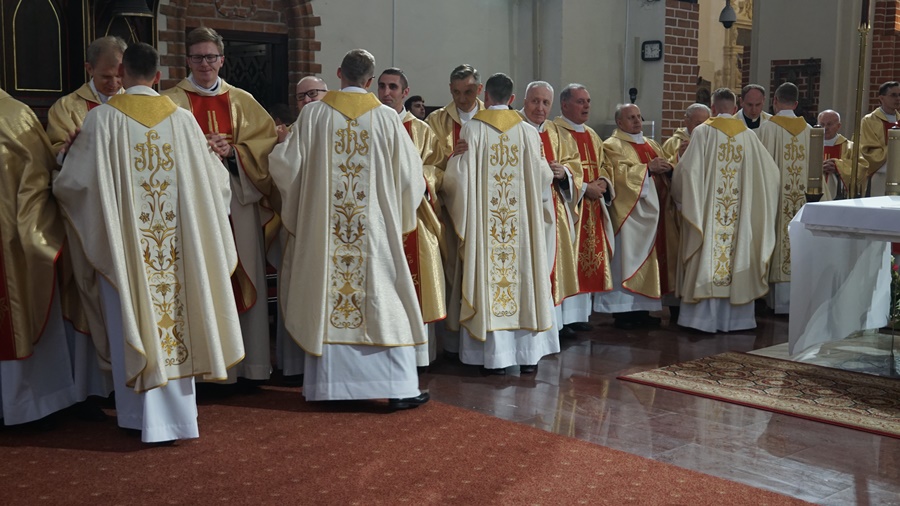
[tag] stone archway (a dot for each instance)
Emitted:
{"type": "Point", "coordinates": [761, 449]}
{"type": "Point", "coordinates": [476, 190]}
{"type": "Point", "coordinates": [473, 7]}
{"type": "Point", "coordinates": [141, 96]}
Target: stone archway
{"type": "Point", "coordinates": [293, 18]}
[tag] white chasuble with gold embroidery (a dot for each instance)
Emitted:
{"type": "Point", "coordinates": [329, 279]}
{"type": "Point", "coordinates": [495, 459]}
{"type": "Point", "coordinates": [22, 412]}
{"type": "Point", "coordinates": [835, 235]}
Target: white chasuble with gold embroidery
{"type": "Point", "coordinates": [786, 138]}
{"type": "Point", "coordinates": [495, 195]}
{"type": "Point", "coordinates": [351, 179]}
{"type": "Point", "coordinates": [149, 204]}
{"type": "Point", "coordinates": [727, 187]}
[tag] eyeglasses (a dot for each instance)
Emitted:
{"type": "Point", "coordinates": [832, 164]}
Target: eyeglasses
{"type": "Point", "coordinates": [310, 94]}
{"type": "Point", "coordinates": [210, 58]}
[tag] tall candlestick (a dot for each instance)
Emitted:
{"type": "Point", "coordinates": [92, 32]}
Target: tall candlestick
{"type": "Point", "coordinates": [892, 185]}
{"type": "Point", "coordinates": [814, 172]}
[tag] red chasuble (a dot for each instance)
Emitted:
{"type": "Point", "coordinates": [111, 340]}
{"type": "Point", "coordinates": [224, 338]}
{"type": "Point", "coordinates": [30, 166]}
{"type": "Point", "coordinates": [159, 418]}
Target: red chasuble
{"type": "Point", "coordinates": [592, 240]}
{"type": "Point", "coordinates": [646, 155]}
{"type": "Point", "coordinates": [832, 152]}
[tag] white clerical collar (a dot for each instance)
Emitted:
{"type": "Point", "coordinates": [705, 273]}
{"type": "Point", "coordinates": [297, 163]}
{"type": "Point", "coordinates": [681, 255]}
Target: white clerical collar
{"type": "Point", "coordinates": [540, 128]}
{"type": "Point", "coordinates": [786, 112]}
{"type": "Point", "coordinates": [891, 117]}
{"type": "Point", "coordinates": [579, 127]}
{"type": "Point", "coordinates": [354, 89]}
{"type": "Point", "coordinates": [140, 89]}
{"type": "Point", "coordinates": [831, 141]}
{"type": "Point", "coordinates": [103, 98]}
{"type": "Point", "coordinates": [464, 117]}
{"type": "Point", "coordinates": [498, 107]}
{"type": "Point", "coordinates": [637, 138]}
{"type": "Point", "coordinates": [204, 90]}
{"type": "Point", "coordinates": [402, 112]}
{"type": "Point", "coordinates": [723, 115]}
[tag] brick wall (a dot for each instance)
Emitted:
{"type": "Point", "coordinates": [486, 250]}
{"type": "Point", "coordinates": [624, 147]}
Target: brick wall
{"type": "Point", "coordinates": [885, 48]}
{"type": "Point", "coordinates": [680, 60]}
{"type": "Point", "coordinates": [291, 17]}
{"type": "Point", "coordinates": [807, 75]}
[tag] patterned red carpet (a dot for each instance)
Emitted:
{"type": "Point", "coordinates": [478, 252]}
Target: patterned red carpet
{"type": "Point", "coordinates": [855, 400]}
{"type": "Point", "coordinates": [270, 447]}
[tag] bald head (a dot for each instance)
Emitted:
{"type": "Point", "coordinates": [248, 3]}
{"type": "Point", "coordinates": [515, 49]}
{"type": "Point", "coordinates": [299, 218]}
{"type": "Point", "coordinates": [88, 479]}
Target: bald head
{"type": "Point", "coordinates": [831, 121]}
{"type": "Point", "coordinates": [310, 89]}
{"type": "Point", "coordinates": [628, 119]}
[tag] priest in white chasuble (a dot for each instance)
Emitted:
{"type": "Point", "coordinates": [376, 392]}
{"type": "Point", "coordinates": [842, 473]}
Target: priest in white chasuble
{"type": "Point", "coordinates": [148, 202]}
{"type": "Point", "coordinates": [675, 146]}
{"type": "Point", "coordinates": [242, 134]}
{"type": "Point", "coordinates": [447, 123]}
{"type": "Point", "coordinates": [726, 186]}
{"type": "Point", "coordinates": [643, 216]}
{"type": "Point", "coordinates": [873, 137]}
{"type": "Point", "coordinates": [594, 238]}
{"type": "Point", "coordinates": [786, 138]}
{"type": "Point", "coordinates": [352, 180]}
{"type": "Point", "coordinates": [423, 245]}
{"type": "Point", "coordinates": [837, 159]}
{"type": "Point", "coordinates": [561, 153]}
{"type": "Point", "coordinates": [498, 194]}
{"type": "Point", "coordinates": [36, 377]}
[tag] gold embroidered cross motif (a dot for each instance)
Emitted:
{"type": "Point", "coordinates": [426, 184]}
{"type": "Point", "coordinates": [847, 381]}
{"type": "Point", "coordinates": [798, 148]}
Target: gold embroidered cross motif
{"type": "Point", "coordinates": [349, 227]}
{"type": "Point", "coordinates": [793, 195]}
{"type": "Point", "coordinates": [728, 201]}
{"type": "Point", "coordinates": [503, 228]}
{"type": "Point", "coordinates": [158, 225]}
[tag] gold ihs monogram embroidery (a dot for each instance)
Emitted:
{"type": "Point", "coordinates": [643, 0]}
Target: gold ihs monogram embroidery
{"type": "Point", "coordinates": [503, 227]}
{"type": "Point", "coordinates": [158, 198]}
{"type": "Point", "coordinates": [728, 203]}
{"type": "Point", "coordinates": [349, 227]}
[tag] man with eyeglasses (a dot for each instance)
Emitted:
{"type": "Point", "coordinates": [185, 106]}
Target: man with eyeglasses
{"type": "Point", "coordinates": [874, 133]}
{"type": "Point", "coordinates": [422, 246]}
{"type": "Point", "coordinates": [242, 134]}
{"type": "Point", "coordinates": [309, 89]}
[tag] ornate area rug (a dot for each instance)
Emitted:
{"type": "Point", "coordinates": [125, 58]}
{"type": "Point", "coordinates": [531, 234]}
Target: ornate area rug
{"type": "Point", "coordinates": [854, 400]}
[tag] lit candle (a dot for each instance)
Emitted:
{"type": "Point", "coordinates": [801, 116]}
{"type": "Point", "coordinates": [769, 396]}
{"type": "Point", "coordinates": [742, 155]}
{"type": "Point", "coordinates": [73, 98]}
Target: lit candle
{"type": "Point", "coordinates": [892, 186]}
{"type": "Point", "coordinates": [816, 155]}
{"type": "Point", "coordinates": [865, 13]}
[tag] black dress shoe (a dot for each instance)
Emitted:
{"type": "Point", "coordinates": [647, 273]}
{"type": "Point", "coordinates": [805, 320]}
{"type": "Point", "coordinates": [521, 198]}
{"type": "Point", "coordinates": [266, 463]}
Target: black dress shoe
{"type": "Point", "coordinates": [292, 380]}
{"type": "Point", "coordinates": [89, 411]}
{"type": "Point", "coordinates": [409, 402]}
{"type": "Point", "coordinates": [581, 326]}
{"type": "Point", "coordinates": [527, 369]}
{"type": "Point", "coordinates": [493, 372]}
{"type": "Point", "coordinates": [625, 323]}
{"type": "Point", "coordinates": [567, 333]}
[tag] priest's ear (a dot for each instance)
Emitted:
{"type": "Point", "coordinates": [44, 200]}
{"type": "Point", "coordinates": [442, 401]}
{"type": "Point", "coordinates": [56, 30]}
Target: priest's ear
{"type": "Point", "coordinates": [157, 77]}
{"type": "Point", "coordinates": [121, 71]}
{"type": "Point", "coordinates": [512, 98]}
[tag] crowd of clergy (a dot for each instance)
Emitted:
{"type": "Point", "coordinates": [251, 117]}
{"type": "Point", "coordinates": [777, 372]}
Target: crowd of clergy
{"type": "Point", "coordinates": [138, 228]}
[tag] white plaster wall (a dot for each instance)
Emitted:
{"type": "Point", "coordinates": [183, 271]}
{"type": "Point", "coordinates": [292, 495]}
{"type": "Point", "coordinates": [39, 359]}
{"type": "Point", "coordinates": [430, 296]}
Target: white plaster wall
{"type": "Point", "coordinates": [426, 38]}
{"type": "Point", "coordinates": [801, 29]}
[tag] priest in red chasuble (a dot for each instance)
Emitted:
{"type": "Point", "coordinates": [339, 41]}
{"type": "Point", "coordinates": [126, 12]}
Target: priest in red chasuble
{"type": "Point", "coordinates": [643, 218]}
{"type": "Point", "coordinates": [241, 132]}
{"type": "Point", "coordinates": [422, 246]}
{"type": "Point", "coordinates": [593, 233]}
{"type": "Point", "coordinates": [838, 158]}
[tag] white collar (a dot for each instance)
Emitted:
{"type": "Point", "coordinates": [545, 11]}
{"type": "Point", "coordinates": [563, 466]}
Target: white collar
{"type": "Point", "coordinates": [723, 115]}
{"type": "Point", "coordinates": [103, 98]}
{"type": "Point", "coordinates": [206, 91]}
{"type": "Point", "coordinates": [831, 141]}
{"type": "Point", "coordinates": [140, 89]}
{"type": "Point", "coordinates": [579, 127]}
{"type": "Point", "coordinates": [786, 112]}
{"type": "Point", "coordinates": [638, 138]}
{"type": "Point", "coordinates": [354, 89]}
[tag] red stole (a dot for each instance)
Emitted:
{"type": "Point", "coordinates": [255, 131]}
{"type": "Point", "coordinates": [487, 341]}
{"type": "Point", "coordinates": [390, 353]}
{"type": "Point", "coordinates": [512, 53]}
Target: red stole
{"type": "Point", "coordinates": [646, 155]}
{"type": "Point", "coordinates": [90, 105]}
{"type": "Point", "coordinates": [213, 114]}
{"type": "Point", "coordinates": [832, 152]}
{"type": "Point", "coordinates": [7, 333]}
{"type": "Point", "coordinates": [887, 126]}
{"type": "Point", "coordinates": [411, 243]}
{"type": "Point", "coordinates": [592, 241]}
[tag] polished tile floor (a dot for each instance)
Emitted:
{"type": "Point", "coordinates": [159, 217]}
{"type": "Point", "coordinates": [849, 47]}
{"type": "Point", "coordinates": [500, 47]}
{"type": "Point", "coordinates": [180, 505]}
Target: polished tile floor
{"type": "Point", "coordinates": [576, 394]}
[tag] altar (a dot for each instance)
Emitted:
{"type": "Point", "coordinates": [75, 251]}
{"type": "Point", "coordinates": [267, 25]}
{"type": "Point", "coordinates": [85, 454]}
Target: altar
{"type": "Point", "coordinates": [840, 262]}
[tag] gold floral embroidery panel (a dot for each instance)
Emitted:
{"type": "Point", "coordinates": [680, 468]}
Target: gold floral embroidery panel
{"type": "Point", "coordinates": [349, 202]}
{"type": "Point", "coordinates": [728, 201]}
{"type": "Point", "coordinates": [157, 194]}
{"type": "Point", "coordinates": [793, 195]}
{"type": "Point", "coordinates": [503, 227]}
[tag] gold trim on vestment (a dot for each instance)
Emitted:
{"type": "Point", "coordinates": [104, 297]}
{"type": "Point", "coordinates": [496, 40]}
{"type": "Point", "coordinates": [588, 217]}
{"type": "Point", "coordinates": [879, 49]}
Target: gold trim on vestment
{"type": "Point", "coordinates": [351, 105]}
{"type": "Point", "coordinates": [500, 119]}
{"type": "Point", "coordinates": [147, 110]}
